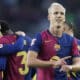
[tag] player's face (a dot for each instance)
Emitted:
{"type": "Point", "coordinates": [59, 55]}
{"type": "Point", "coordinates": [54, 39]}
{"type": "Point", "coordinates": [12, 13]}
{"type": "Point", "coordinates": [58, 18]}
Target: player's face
{"type": "Point", "coordinates": [57, 16]}
{"type": "Point", "coordinates": [68, 30]}
{"type": "Point", "coordinates": [57, 19]}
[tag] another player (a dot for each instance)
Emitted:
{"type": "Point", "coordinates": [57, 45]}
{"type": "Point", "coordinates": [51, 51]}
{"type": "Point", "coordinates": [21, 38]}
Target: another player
{"type": "Point", "coordinates": [6, 50]}
{"type": "Point", "coordinates": [12, 59]}
{"type": "Point", "coordinates": [69, 29]}
{"type": "Point", "coordinates": [17, 65]}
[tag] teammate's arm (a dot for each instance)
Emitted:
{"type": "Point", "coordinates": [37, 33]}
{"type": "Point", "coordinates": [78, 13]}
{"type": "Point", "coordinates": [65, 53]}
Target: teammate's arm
{"type": "Point", "coordinates": [76, 59]}
{"type": "Point", "coordinates": [12, 48]}
{"type": "Point", "coordinates": [76, 56]}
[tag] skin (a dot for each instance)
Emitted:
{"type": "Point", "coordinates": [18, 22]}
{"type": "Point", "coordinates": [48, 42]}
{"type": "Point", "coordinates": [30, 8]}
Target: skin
{"type": "Point", "coordinates": [68, 30]}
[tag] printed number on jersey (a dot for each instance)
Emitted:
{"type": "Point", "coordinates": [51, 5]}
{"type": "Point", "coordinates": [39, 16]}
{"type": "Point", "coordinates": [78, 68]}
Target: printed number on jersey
{"type": "Point", "coordinates": [23, 62]}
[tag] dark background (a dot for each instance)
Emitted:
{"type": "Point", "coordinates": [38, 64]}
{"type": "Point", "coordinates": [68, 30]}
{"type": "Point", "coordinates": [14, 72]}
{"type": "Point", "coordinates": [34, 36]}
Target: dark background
{"type": "Point", "coordinates": [30, 16]}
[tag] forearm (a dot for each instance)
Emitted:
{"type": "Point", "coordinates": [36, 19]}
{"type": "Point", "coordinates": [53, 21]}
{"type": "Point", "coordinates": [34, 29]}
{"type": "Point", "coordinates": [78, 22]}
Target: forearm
{"type": "Point", "coordinates": [19, 44]}
{"type": "Point", "coordinates": [40, 63]}
{"type": "Point", "coordinates": [75, 67]}
{"type": "Point", "coordinates": [76, 64]}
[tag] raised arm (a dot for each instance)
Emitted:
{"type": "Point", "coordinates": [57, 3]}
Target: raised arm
{"type": "Point", "coordinates": [12, 48]}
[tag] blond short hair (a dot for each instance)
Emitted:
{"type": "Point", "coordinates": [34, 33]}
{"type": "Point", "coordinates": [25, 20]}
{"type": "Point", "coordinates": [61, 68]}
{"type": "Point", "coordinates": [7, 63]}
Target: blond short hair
{"type": "Point", "coordinates": [55, 4]}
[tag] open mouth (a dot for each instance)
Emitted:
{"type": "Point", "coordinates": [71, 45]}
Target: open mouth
{"type": "Point", "coordinates": [59, 20]}
{"type": "Point", "coordinates": [58, 27]}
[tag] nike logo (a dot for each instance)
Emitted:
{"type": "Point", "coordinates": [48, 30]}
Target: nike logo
{"type": "Point", "coordinates": [48, 41]}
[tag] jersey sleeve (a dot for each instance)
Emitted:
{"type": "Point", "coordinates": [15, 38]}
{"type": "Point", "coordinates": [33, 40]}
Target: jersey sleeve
{"type": "Point", "coordinates": [36, 43]}
{"type": "Point", "coordinates": [12, 48]}
{"type": "Point", "coordinates": [27, 42]}
{"type": "Point", "coordinates": [75, 50]}
{"type": "Point", "coordinates": [79, 45]}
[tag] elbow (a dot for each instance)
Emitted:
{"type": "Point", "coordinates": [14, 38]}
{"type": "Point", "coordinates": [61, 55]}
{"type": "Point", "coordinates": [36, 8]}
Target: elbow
{"type": "Point", "coordinates": [31, 59]}
{"type": "Point", "coordinates": [31, 63]}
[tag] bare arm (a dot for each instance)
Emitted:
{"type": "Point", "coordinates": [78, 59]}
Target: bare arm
{"type": "Point", "coordinates": [33, 61]}
{"type": "Point", "coordinates": [76, 64]}
{"type": "Point", "coordinates": [74, 67]}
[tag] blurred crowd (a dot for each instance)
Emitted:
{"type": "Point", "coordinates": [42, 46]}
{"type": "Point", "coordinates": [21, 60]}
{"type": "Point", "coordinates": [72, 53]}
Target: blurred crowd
{"type": "Point", "coordinates": [29, 14]}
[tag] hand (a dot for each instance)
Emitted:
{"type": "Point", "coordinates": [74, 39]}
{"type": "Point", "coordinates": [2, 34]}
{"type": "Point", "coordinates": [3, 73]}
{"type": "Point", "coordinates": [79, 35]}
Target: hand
{"type": "Point", "coordinates": [66, 68]}
{"type": "Point", "coordinates": [20, 33]}
{"type": "Point", "coordinates": [59, 61]}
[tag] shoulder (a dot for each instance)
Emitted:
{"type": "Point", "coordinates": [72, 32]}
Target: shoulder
{"type": "Point", "coordinates": [78, 41]}
{"type": "Point", "coordinates": [68, 37]}
{"type": "Point", "coordinates": [38, 35]}
{"type": "Point", "coordinates": [44, 32]}
{"type": "Point", "coordinates": [28, 38]}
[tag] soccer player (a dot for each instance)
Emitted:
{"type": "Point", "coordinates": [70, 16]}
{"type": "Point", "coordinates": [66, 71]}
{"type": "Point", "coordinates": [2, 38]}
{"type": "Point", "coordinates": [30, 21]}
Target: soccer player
{"type": "Point", "coordinates": [19, 69]}
{"type": "Point", "coordinates": [6, 50]}
{"type": "Point", "coordinates": [70, 31]}
{"type": "Point", "coordinates": [69, 28]}
{"type": "Point", "coordinates": [17, 66]}
{"type": "Point", "coordinates": [50, 48]}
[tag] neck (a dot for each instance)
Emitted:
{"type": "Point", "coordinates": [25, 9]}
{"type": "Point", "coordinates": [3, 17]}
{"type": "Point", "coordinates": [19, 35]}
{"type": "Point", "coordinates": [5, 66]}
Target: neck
{"type": "Point", "coordinates": [55, 33]}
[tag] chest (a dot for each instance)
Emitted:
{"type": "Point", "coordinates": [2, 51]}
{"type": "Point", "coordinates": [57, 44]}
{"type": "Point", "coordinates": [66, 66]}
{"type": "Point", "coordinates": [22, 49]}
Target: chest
{"type": "Point", "coordinates": [55, 47]}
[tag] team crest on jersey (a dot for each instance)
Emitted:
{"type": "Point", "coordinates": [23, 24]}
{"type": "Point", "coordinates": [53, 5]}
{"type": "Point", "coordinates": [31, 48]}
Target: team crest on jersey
{"type": "Point", "coordinates": [57, 47]}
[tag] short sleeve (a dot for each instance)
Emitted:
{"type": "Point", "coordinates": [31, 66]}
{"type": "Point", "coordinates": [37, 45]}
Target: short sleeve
{"type": "Point", "coordinates": [36, 43]}
{"type": "Point", "coordinates": [8, 49]}
{"type": "Point", "coordinates": [75, 51]}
